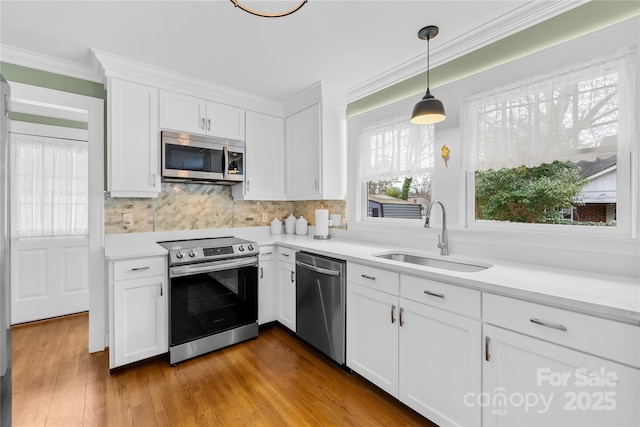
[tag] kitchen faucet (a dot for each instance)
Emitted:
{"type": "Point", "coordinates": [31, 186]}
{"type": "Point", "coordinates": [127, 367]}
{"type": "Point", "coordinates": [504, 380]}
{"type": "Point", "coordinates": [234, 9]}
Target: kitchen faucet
{"type": "Point", "coordinates": [443, 243]}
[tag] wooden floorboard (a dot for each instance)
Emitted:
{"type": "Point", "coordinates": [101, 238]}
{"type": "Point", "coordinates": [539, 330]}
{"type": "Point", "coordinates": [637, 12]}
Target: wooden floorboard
{"type": "Point", "coordinates": [274, 380]}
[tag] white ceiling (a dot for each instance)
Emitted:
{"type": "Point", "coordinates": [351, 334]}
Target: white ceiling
{"type": "Point", "coordinates": [354, 45]}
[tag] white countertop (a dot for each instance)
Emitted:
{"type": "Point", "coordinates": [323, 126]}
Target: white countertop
{"type": "Point", "coordinates": [613, 297]}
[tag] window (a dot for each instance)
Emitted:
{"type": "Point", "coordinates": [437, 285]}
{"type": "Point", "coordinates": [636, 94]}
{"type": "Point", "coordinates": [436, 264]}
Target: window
{"type": "Point", "coordinates": [396, 165]}
{"type": "Point", "coordinates": [546, 148]}
{"type": "Point", "coordinates": [51, 186]}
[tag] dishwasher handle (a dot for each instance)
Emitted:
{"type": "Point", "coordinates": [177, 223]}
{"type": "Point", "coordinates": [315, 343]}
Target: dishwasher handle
{"type": "Point", "coordinates": [318, 269]}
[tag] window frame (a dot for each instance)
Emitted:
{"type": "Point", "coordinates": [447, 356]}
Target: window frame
{"type": "Point", "coordinates": [626, 177]}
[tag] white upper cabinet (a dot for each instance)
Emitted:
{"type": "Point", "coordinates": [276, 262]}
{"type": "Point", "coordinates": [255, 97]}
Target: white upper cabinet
{"type": "Point", "coordinates": [316, 145]}
{"type": "Point", "coordinates": [303, 153]}
{"type": "Point", "coordinates": [264, 159]}
{"type": "Point", "coordinates": [190, 114]}
{"type": "Point", "coordinates": [133, 161]}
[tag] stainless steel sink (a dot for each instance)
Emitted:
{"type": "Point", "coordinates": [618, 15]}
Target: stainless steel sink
{"type": "Point", "coordinates": [433, 262]}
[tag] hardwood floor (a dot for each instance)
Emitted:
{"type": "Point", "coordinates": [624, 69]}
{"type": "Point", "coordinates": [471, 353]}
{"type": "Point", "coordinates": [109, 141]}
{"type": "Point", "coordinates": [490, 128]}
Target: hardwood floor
{"type": "Point", "coordinates": [275, 380]}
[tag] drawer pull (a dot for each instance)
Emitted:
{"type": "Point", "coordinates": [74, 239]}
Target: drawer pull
{"type": "Point", "coordinates": [369, 277]}
{"type": "Point", "coordinates": [548, 324]}
{"type": "Point", "coordinates": [140, 268]}
{"type": "Point", "coordinates": [393, 309]}
{"type": "Point", "coordinates": [269, 253]}
{"type": "Point", "coordinates": [434, 294]}
{"type": "Point", "coordinates": [285, 255]}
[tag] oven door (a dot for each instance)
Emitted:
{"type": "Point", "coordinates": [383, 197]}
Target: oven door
{"type": "Point", "coordinates": [212, 297]}
{"type": "Point", "coordinates": [185, 157]}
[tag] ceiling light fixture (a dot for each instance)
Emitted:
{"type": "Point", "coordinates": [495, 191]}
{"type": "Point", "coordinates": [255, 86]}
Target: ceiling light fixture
{"type": "Point", "coordinates": [269, 15]}
{"type": "Point", "coordinates": [429, 109]}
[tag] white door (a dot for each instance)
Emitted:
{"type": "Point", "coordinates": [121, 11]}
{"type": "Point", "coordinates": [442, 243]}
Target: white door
{"type": "Point", "coordinates": [49, 218]}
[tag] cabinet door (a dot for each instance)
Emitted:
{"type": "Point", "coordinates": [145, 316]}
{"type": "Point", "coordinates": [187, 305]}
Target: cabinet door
{"type": "Point", "coordinates": [225, 121]}
{"type": "Point", "coordinates": [140, 319]}
{"type": "Point", "coordinates": [182, 113]}
{"type": "Point", "coordinates": [265, 291]}
{"type": "Point", "coordinates": [264, 156]}
{"type": "Point", "coordinates": [286, 295]}
{"type": "Point", "coordinates": [527, 381]}
{"type": "Point", "coordinates": [302, 143]}
{"type": "Point", "coordinates": [134, 145]}
{"type": "Point", "coordinates": [440, 362]}
{"type": "Point", "coordinates": [372, 336]}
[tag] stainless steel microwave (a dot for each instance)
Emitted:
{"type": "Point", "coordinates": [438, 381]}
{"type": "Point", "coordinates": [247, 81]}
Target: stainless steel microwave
{"type": "Point", "coordinates": [187, 157]}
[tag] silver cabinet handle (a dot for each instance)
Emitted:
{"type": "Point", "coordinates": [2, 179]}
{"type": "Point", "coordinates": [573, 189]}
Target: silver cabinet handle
{"type": "Point", "coordinates": [202, 122]}
{"type": "Point", "coordinates": [140, 268]}
{"type": "Point", "coordinates": [557, 326]}
{"type": "Point", "coordinates": [261, 272]}
{"type": "Point", "coordinates": [161, 292]}
{"type": "Point", "coordinates": [393, 318]}
{"type": "Point", "coordinates": [292, 279]}
{"type": "Point", "coordinates": [368, 277]}
{"type": "Point", "coordinates": [401, 321]}
{"type": "Point", "coordinates": [285, 255]}
{"type": "Point", "coordinates": [434, 294]}
{"type": "Point", "coordinates": [248, 186]}
{"type": "Point", "coordinates": [487, 340]}
{"type": "Point", "coordinates": [208, 124]}
{"type": "Point", "coordinates": [266, 253]}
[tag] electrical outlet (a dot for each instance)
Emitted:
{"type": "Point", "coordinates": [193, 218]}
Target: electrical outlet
{"type": "Point", "coordinates": [264, 217]}
{"type": "Point", "coordinates": [127, 220]}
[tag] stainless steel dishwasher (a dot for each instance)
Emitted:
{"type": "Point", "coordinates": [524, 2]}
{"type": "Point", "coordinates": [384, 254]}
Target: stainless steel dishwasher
{"type": "Point", "coordinates": [320, 303]}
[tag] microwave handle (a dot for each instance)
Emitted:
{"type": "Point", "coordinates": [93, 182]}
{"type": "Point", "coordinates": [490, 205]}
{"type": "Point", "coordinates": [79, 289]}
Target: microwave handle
{"type": "Point", "coordinates": [225, 162]}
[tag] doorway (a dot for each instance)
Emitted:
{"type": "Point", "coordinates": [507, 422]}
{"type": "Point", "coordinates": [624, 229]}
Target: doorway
{"type": "Point", "coordinates": [59, 269]}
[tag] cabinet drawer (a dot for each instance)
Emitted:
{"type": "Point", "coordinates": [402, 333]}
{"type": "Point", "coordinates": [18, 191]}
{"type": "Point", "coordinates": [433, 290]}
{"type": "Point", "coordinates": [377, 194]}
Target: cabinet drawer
{"type": "Point", "coordinates": [383, 280]}
{"type": "Point", "coordinates": [139, 267]}
{"type": "Point", "coordinates": [602, 337]}
{"type": "Point", "coordinates": [442, 295]}
{"type": "Point", "coordinates": [266, 253]}
{"type": "Point", "coordinates": [287, 255]}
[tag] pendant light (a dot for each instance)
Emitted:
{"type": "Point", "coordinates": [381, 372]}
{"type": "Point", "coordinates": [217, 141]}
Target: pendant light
{"type": "Point", "coordinates": [429, 109]}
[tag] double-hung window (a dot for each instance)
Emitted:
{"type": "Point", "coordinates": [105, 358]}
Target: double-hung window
{"type": "Point", "coordinates": [554, 148]}
{"type": "Point", "coordinates": [396, 166]}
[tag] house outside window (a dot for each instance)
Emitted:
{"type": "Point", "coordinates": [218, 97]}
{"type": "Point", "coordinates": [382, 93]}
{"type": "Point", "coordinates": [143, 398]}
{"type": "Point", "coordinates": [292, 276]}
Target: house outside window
{"type": "Point", "coordinates": [546, 149]}
{"type": "Point", "coordinates": [396, 168]}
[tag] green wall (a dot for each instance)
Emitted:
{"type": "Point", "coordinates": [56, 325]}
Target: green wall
{"type": "Point", "coordinates": [584, 19]}
{"type": "Point", "coordinates": [54, 81]}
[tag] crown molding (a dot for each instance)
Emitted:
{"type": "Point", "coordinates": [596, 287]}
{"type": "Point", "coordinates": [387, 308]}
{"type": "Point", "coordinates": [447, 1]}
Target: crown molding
{"type": "Point", "coordinates": [38, 61]}
{"type": "Point", "coordinates": [113, 66]}
{"type": "Point", "coordinates": [508, 24]}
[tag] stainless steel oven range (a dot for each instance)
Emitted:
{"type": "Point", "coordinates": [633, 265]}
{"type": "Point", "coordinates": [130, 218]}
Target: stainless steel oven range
{"type": "Point", "coordinates": [213, 294]}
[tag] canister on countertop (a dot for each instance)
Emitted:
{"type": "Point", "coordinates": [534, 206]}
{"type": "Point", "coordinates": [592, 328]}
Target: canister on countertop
{"type": "Point", "coordinates": [276, 226]}
{"type": "Point", "coordinates": [290, 224]}
{"type": "Point", "coordinates": [302, 226]}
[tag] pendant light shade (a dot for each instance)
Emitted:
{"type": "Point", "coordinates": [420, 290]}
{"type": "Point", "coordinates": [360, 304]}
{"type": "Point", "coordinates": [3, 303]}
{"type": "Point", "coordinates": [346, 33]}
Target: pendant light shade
{"type": "Point", "coordinates": [429, 109]}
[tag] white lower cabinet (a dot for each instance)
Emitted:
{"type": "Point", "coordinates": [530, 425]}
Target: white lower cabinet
{"type": "Point", "coordinates": [543, 366]}
{"type": "Point", "coordinates": [138, 310]}
{"type": "Point", "coordinates": [285, 304]}
{"type": "Point", "coordinates": [372, 336]}
{"type": "Point", "coordinates": [265, 285]}
{"type": "Point", "coordinates": [440, 364]}
{"type": "Point", "coordinates": [428, 358]}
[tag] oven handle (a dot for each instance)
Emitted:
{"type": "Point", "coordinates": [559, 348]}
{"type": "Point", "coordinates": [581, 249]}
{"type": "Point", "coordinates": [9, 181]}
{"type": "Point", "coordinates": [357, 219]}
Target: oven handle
{"type": "Point", "coordinates": [186, 270]}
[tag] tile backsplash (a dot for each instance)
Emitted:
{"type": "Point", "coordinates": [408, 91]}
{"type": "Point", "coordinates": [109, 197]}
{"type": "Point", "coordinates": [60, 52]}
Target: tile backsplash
{"type": "Point", "coordinates": [204, 206]}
